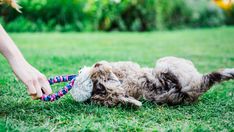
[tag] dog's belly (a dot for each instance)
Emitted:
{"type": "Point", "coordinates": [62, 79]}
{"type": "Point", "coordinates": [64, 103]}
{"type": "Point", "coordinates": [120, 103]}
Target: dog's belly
{"type": "Point", "coordinates": [128, 74]}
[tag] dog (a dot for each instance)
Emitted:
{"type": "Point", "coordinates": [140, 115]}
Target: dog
{"type": "Point", "coordinates": [173, 81]}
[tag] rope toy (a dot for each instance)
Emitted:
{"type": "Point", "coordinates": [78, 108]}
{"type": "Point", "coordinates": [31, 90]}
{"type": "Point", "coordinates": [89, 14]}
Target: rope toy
{"type": "Point", "coordinates": [62, 92]}
{"type": "Point", "coordinates": [81, 86]}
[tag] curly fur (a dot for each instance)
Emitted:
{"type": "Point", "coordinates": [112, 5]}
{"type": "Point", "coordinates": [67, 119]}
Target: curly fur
{"type": "Point", "coordinates": [172, 81]}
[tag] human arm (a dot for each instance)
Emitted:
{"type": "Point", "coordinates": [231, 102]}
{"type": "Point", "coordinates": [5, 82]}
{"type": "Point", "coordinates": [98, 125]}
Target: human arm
{"type": "Point", "coordinates": [35, 81]}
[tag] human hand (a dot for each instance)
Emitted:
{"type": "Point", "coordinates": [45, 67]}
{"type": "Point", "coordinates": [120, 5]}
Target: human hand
{"type": "Point", "coordinates": [35, 81]}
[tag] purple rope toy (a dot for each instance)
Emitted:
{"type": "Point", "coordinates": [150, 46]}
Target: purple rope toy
{"type": "Point", "coordinates": [63, 91]}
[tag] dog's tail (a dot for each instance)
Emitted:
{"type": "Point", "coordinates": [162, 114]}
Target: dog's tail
{"type": "Point", "coordinates": [213, 78]}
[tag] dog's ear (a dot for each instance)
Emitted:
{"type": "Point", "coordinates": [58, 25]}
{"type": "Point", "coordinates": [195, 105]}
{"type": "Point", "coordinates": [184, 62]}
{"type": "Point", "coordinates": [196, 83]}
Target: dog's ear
{"type": "Point", "coordinates": [97, 65]}
{"type": "Point", "coordinates": [100, 63]}
{"type": "Point", "coordinates": [100, 69]}
{"type": "Point", "coordinates": [107, 88]}
{"type": "Point", "coordinates": [110, 93]}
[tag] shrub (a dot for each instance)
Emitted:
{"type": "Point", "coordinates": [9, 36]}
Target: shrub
{"type": "Point", "coordinates": [230, 16]}
{"type": "Point", "coordinates": [128, 15]}
{"type": "Point", "coordinates": [172, 14]}
{"type": "Point", "coordinates": [205, 13]}
{"type": "Point", "coordinates": [21, 24]}
{"type": "Point", "coordinates": [111, 15]}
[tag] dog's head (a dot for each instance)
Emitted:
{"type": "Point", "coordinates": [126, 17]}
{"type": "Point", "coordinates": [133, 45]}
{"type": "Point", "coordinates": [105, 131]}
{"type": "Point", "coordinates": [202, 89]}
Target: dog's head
{"type": "Point", "coordinates": [107, 88]}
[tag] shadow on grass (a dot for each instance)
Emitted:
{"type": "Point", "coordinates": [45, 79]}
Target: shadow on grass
{"type": "Point", "coordinates": [63, 106]}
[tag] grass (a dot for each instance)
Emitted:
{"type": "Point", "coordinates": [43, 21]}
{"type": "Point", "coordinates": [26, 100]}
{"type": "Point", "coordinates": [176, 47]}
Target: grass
{"type": "Point", "coordinates": [64, 53]}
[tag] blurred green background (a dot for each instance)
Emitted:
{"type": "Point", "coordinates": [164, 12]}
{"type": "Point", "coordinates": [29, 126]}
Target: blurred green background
{"type": "Point", "coordinates": [115, 15]}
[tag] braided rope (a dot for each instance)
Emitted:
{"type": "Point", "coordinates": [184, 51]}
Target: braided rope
{"type": "Point", "coordinates": [63, 91]}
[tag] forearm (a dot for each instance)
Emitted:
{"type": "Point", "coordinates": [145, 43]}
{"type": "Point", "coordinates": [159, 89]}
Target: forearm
{"type": "Point", "coordinates": [31, 77]}
{"type": "Point", "coordinates": [8, 48]}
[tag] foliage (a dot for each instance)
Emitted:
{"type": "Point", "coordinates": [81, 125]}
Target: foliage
{"type": "Point", "coordinates": [205, 13]}
{"type": "Point", "coordinates": [113, 15]}
{"type": "Point", "coordinates": [172, 13]}
{"type": "Point", "coordinates": [64, 53]}
{"type": "Point", "coordinates": [230, 16]}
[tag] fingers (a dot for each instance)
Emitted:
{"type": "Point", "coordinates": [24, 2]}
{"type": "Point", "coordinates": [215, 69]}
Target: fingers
{"type": "Point", "coordinates": [34, 97]}
{"type": "Point", "coordinates": [45, 85]}
{"type": "Point", "coordinates": [38, 88]}
{"type": "Point", "coordinates": [31, 89]}
{"type": "Point", "coordinates": [35, 81]}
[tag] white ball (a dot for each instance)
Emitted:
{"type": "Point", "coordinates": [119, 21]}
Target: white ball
{"type": "Point", "coordinates": [83, 86]}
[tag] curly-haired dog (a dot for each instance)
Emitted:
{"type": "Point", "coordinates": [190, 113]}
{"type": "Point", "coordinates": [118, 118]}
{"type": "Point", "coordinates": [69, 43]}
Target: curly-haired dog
{"type": "Point", "coordinates": [172, 81]}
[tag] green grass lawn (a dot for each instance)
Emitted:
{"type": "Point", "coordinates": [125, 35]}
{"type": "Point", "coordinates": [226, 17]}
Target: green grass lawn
{"type": "Point", "coordinates": [64, 53]}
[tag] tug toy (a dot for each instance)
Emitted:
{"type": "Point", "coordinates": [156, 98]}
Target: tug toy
{"type": "Point", "coordinates": [62, 92]}
{"type": "Point", "coordinates": [81, 86]}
